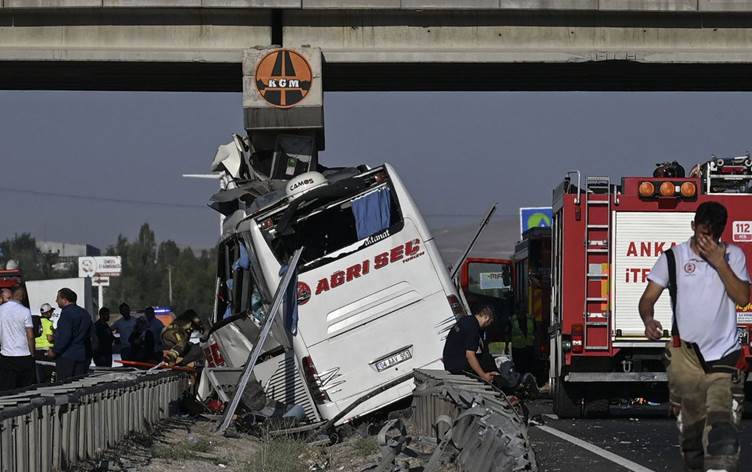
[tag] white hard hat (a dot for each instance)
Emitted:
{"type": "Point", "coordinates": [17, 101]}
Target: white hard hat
{"type": "Point", "coordinates": [11, 265]}
{"type": "Point", "coordinates": [303, 183]}
{"type": "Point", "coordinates": [45, 308]}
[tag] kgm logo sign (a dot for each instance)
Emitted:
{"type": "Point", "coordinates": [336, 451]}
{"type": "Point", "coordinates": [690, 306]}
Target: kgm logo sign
{"type": "Point", "coordinates": [283, 78]}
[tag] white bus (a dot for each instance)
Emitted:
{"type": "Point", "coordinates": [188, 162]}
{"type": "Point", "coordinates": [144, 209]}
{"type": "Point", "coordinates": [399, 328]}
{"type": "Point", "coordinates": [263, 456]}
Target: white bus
{"type": "Point", "coordinates": [374, 299]}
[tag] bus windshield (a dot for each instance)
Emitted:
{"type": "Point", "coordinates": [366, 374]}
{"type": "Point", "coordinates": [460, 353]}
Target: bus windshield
{"type": "Point", "coordinates": [364, 210]}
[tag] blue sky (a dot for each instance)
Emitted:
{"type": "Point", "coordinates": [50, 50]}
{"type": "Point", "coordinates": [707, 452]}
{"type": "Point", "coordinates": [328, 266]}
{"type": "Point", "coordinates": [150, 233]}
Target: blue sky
{"type": "Point", "coordinates": [457, 152]}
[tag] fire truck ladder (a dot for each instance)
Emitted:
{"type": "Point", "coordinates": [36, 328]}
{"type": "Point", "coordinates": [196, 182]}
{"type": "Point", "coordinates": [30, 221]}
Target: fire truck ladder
{"type": "Point", "coordinates": [597, 244]}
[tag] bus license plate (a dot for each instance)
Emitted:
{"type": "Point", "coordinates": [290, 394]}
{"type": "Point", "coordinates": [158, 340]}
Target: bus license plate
{"type": "Point", "coordinates": [393, 360]}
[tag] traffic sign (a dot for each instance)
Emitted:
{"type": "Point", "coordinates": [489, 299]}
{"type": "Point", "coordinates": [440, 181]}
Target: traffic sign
{"type": "Point", "coordinates": [99, 281]}
{"type": "Point", "coordinates": [536, 217]}
{"type": "Point", "coordinates": [105, 266]}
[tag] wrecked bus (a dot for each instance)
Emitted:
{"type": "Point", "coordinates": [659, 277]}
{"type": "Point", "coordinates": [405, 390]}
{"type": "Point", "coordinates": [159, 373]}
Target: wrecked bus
{"type": "Point", "coordinates": [373, 299]}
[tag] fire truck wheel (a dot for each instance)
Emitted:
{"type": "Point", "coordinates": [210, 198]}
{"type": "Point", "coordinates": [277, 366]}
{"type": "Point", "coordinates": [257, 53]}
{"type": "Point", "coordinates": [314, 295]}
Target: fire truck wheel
{"type": "Point", "coordinates": [566, 403]}
{"type": "Point", "coordinates": [595, 408]}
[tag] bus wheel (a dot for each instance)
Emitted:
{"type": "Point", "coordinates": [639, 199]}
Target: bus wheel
{"type": "Point", "coordinates": [566, 403]}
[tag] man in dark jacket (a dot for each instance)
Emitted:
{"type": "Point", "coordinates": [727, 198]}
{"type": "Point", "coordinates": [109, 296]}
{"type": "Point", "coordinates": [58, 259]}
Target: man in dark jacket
{"type": "Point", "coordinates": [155, 327]}
{"type": "Point", "coordinates": [72, 348]}
{"type": "Point", "coordinates": [104, 338]}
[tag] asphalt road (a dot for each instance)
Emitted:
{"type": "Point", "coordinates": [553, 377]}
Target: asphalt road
{"type": "Point", "coordinates": [645, 437]}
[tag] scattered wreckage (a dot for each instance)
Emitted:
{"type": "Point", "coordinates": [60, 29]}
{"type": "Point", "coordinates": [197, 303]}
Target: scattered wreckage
{"type": "Point", "coordinates": [458, 421]}
{"type": "Point", "coordinates": [331, 295]}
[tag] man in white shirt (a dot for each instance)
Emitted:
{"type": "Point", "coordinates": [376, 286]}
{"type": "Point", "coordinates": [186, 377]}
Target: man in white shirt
{"type": "Point", "coordinates": [16, 344]}
{"type": "Point", "coordinates": [707, 390]}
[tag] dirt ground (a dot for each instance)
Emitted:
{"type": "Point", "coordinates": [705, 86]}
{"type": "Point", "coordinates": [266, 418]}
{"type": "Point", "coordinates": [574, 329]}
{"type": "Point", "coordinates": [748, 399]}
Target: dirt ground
{"type": "Point", "coordinates": [190, 444]}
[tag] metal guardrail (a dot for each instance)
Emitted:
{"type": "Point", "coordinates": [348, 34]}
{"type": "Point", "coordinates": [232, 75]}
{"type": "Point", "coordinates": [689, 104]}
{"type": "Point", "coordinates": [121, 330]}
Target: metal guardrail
{"type": "Point", "coordinates": [54, 427]}
{"type": "Point", "coordinates": [473, 420]}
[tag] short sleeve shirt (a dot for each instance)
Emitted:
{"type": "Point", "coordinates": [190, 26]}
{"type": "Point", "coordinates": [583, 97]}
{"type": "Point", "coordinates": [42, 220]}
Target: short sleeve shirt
{"type": "Point", "coordinates": [705, 314]}
{"type": "Point", "coordinates": [14, 320]}
{"type": "Point", "coordinates": [464, 336]}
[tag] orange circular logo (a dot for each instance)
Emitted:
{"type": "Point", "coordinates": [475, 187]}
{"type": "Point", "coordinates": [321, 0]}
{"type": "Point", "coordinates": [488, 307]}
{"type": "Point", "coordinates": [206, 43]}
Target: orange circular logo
{"type": "Point", "coordinates": [283, 78]}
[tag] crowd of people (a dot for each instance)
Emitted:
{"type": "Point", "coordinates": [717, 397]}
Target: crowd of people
{"type": "Point", "coordinates": [34, 349]}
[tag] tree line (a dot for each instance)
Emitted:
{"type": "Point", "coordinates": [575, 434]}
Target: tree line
{"type": "Point", "coordinates": [147, 265]}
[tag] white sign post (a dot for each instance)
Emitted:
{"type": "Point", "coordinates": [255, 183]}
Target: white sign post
{"type": "Point", "coordinates": [100, 269]}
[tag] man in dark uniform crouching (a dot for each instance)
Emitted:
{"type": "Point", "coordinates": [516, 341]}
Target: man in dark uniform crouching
{"type": "Point", "coordinates": [463, 345]}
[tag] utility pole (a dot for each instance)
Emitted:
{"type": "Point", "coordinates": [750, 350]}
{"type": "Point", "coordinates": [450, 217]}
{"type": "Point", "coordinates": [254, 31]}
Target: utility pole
{"type": "Point", "coordinates": [169, 282]}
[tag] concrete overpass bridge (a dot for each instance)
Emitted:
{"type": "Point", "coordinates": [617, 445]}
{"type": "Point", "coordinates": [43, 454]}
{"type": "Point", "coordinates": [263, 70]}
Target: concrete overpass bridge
{"type": "Point", "coordinates": [381, 44]}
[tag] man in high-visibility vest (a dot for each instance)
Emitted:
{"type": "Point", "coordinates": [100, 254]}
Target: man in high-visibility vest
{"type": "Point", "coordinates": [44, 341]}
{"type": "Point", "coordinates": [523, 340]}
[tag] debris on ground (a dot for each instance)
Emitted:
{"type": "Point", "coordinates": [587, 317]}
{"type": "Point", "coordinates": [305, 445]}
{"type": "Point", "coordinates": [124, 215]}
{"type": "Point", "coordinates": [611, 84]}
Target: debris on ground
{"type": "Point", "coordinates": [456, 422]}
{"type": "Point", "coordinates": [191, 444]}
{"type": "Point", "coordinates": [184, 443]}
{"type": "Point", "coordinates": [451, 420]}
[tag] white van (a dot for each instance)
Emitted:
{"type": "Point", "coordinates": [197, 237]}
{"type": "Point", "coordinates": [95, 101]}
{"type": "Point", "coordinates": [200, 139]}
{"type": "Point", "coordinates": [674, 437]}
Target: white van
{"type": "Point", "coordinates": [374, 300]}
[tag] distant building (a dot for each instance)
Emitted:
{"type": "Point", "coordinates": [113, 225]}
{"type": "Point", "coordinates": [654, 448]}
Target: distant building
{"type": "Point", "coordinates": [68, 253]}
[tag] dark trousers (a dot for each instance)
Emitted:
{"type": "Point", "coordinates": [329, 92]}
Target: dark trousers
{"type": "Point", "coordinates": [103, 359]}
{"type": "Point", "coordinates": [125, 354]}
{"type": "Point", "coordinates": [524, 360]}
{"type": "Point", "coordinates": [65, 369]}
{"type": "Point", "coordinates": [16, 372]}
{"type": "Point", "coordinates": [44, 372]}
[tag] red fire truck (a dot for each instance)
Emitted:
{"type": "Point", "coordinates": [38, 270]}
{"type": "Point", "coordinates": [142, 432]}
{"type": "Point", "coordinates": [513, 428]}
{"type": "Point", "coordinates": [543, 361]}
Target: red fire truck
{"type": "Point", "coordinates": [606, 238]}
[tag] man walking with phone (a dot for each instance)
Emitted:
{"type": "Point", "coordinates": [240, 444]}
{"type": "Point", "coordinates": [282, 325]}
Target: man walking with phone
{"type": "Point", "coordinates": [706, 280]}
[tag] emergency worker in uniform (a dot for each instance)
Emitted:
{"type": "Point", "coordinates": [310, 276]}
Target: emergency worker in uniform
{"type": "Point", "coordinates": [176, 339]}
{"type": "Point", "coordinates": [44, 342]}
{"type": "Point", "coordinates": [706, 279]}
{"type": "Point", "coordinates": [464, 342]}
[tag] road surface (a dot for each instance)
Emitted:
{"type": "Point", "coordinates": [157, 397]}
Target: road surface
{"type": "Point", "coordinates": [637, 440]}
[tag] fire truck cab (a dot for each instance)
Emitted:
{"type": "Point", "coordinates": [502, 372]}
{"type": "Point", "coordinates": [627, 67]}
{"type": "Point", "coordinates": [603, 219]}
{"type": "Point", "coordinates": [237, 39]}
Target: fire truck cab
{"type": "Point", "coordinates": [606, 238]}
{"type": "Point", "coordinates": [488, 281]}
{"type": "Point", "coordinates": [11, 277]}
